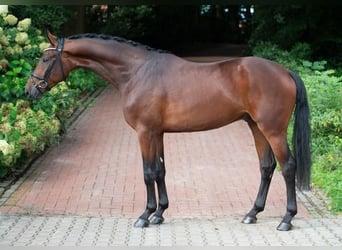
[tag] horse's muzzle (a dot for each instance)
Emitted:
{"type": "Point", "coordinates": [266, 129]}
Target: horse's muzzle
{"type": "Point", "coordinates": [32, 92]}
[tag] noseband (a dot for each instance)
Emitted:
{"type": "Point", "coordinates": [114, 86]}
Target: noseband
{"type": "Point", "coordinates": [43, 83]}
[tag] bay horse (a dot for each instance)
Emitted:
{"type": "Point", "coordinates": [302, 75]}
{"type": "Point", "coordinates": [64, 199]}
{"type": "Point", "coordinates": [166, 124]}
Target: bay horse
{"type": "Point", "coordinates": [164, 93]}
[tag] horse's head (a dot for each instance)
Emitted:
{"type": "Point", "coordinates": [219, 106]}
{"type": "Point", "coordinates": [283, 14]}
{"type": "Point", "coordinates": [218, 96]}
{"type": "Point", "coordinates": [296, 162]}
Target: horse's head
{"type": "Point", "coordinates": [49, 70]}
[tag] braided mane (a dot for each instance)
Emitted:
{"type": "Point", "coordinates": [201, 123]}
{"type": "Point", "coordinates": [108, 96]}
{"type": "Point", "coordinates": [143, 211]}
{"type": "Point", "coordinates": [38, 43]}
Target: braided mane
{"type": "Point", "coordinates": [117, 39]}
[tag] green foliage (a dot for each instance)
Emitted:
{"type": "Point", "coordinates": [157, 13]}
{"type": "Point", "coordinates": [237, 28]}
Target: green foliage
{"type": "Point", "coordinates": [84, 80]}
{"type": "Point", "coordinates": [327, 172]}
{"type": "Point", "coordinates": [61, 101]}
{"type": "Point", "coordinates": [44, 16]}
{"type": "Point", "coordinates": [301, 51]}
{"type": "Point", "coordinates": [286, 58]}
{"type": "Point", "coordinates": [13, 82]}
{"type": "Point", "coordinates": [324, 88]}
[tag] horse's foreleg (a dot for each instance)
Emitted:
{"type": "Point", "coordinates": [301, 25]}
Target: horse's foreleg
{"type": "Point", "coordinates": [151, 204]}
{"type": "Point", "coordinates": [162, 193]}
{"type": "Point", "coordinates": [267, 166]}
{"type": "Point", "coordinates": [151, 145]}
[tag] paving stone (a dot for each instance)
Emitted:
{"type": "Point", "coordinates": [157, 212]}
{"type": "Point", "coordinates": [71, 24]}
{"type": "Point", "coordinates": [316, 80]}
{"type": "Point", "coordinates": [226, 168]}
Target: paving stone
{"type": "Point", "coordinates": [79, 231]}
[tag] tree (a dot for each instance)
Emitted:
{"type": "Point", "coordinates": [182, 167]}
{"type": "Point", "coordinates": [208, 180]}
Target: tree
{"type": "Point", "coordinates": [287, 25]}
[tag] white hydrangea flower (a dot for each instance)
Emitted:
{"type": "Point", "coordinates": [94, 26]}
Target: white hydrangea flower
{"type": "Point", "coordinates": [4, 40]}
{"type": "Point", "coordinates": [11, 20]}
{"type": "Point", "coordinates": [3, 10]}
{"type": "Point", "coordinates": [21, 126]}
{"type": "Point", "coordinates": [6, 127]}
{"type": "Point", "coordinates": [40, 38]}
{"type": "Point", "coordinates": [24, 24]}
{"type": "Point", "coordinates": [21, 38]}
{"type": "Point", "coordinates": [43, 46]}
{"type": "Point", "coordinates": [6, 148]}
{"type": "Point", "coordinates": [9, 51]}
{"type": "Point", "coordinates": [28, 47]}
{"type": "Point", "coordinates": [17, 50]}
{"type": "Point", "coordinates": [3, 62]}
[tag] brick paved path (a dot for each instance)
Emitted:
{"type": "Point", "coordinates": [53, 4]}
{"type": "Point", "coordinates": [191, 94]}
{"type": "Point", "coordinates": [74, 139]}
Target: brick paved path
{"type": "Point", "coordinates": [97, 170]}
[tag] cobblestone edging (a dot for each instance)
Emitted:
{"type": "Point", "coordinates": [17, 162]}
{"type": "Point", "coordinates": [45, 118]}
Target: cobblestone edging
{"type": "Point", "coordinates": [316, 202]}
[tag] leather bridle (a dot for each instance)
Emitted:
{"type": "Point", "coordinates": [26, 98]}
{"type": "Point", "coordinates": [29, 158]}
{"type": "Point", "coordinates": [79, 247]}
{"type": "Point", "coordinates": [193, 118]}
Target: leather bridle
{"type": "Point", "coordinates": [43, 84]}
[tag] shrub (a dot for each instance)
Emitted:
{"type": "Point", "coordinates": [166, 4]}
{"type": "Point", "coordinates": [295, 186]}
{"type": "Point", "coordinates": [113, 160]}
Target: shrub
{"type": "Point", "coordinates": [301, 51]}
{"type": "Point", "coordinates": [27, 128]}
{"type": "Point", "coordinates": [273, 52]}
{"type": "Point", "coordinates": [23, 132]}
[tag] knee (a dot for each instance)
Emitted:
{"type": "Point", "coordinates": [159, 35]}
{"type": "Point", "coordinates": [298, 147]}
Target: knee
{"type": "Point", "coordinates": [149, 175]}
{"type": "Point", "coordinates": [160, 175]}
{"type": "Point", "coordinates": [154, 175]}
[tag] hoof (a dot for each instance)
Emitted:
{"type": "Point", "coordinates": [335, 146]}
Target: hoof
{"type": "Point", "coordinates": [156, 220]}
{"type": "Point", "coordinates": [249, 220]}
{"type": "Point", "coordinates": [140, 223]}
{"type": "Point", "coordinates": [283, 226]}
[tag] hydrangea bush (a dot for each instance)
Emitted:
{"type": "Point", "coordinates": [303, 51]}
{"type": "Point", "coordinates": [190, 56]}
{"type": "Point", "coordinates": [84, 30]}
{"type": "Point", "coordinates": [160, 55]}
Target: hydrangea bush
{"type": "Point", "coordinates": [19, 39]}
{"type": "Point", "coordinates": [26, 128]}
{"type": "Point", "coordinates": [24, 132]}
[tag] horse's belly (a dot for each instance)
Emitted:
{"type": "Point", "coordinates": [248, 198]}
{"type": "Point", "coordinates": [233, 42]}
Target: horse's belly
{"type": "Point", "coordinates": [200, 118]}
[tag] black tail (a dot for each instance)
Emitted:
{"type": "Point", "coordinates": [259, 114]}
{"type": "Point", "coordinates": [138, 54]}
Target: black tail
{"type": "Point", "coordinates": [302, 135]}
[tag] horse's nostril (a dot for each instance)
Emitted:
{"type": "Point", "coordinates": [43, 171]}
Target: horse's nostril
{"type": "Point", "coordinates": [27, 92]}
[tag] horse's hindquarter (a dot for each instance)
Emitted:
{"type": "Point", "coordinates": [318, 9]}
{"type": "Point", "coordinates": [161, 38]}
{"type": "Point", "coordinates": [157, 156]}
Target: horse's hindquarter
{"type": "Point", "coordinates": [271, 94]}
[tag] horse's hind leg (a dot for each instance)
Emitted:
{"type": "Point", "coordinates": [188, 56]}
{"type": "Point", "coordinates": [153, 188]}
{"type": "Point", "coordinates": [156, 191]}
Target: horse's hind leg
{"type": "Point", "coordinates": [267, 166]}
{"type": "Point", "coordinates": [288, 167]}
{"type": "Point", "coordinates": [151, 145]}
{"type": "Point", "coordinates": [276, 136]}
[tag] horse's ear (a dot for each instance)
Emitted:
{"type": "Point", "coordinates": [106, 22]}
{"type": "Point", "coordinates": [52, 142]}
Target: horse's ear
{"type": "Point", "coordinates": [52, 38]}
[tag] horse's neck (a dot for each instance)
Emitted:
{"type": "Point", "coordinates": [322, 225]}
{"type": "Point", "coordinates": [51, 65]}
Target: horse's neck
{"type": "Point", "coordinates": [113, 61]}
